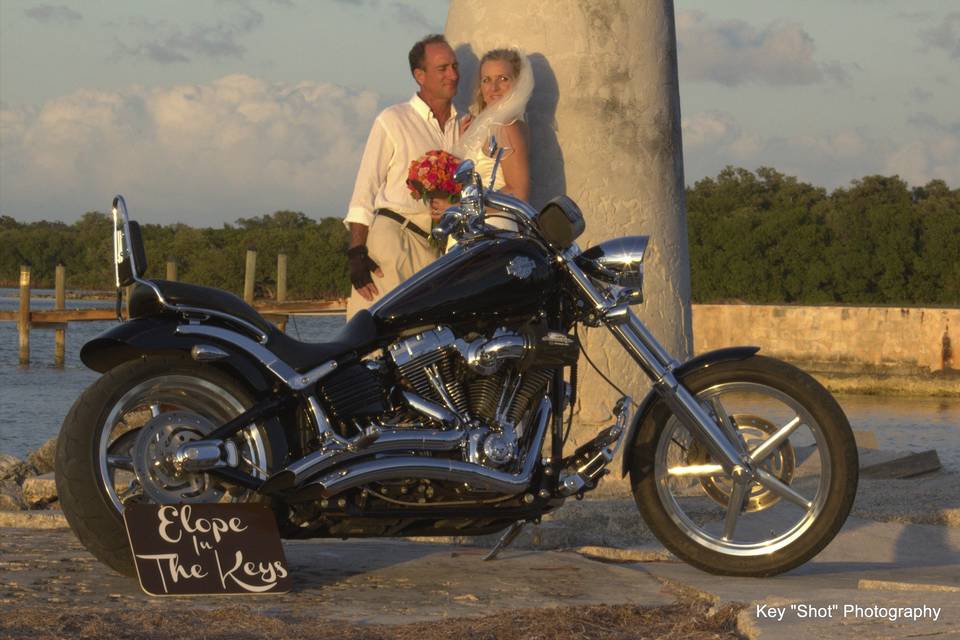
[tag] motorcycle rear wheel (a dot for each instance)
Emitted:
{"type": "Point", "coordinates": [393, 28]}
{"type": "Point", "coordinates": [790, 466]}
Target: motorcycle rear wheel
{"type": "Point", "coordinates": [96, 474]}
{"type": "Point", "coordinates": [780, 519]}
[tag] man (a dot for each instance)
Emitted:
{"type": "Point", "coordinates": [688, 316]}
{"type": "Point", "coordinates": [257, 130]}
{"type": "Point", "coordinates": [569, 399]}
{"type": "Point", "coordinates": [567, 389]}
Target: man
{"type": "Point", "coordinates": [389, 230]}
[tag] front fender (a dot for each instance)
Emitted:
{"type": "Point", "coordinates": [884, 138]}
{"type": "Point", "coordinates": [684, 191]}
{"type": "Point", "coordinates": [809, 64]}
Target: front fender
{"type": "Point", "coordinates": [156, 335]}
{"type": "Point", "coordinates": [702, 361]}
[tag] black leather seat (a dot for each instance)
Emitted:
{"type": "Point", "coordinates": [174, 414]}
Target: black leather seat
{"type": "Point", "coordinates": [143, 301]}
{"type": "Point", "coordinates": [360, 332]}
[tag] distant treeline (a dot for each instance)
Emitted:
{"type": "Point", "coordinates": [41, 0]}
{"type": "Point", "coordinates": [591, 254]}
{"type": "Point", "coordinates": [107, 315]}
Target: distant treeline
{"type": "Point", "coordinates": [317, 265]}
{"type": "Point", "coordinates": [758, 237]}
{"type": "Point", "coordinates": [767, 238]}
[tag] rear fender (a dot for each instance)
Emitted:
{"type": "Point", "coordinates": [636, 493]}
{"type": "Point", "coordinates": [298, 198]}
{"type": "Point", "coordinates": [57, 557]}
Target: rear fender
{"type": "Point", "coordinates": [156, 335]}
{"type": "Point", "coordinates": [702, 361]}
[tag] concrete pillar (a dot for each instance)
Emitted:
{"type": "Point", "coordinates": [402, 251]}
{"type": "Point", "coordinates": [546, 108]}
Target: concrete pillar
{"type": "Point", "coordinates": [604, 125]}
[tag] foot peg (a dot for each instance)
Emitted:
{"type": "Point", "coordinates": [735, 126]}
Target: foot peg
{"type": "Point", "coordinates": [506, 540]}
{"type": "Point", "coordinates": [588, 463]}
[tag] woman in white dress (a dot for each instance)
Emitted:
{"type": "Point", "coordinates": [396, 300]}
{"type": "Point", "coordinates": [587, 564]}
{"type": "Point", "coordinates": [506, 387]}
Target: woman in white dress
{"type": "Point", "coordinates": [504, 86]}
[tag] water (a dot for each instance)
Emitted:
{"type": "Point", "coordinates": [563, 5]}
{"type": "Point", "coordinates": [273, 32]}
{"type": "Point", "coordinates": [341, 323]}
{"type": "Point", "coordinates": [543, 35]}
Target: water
{"type": "Point", "coordinates": [34, 399]}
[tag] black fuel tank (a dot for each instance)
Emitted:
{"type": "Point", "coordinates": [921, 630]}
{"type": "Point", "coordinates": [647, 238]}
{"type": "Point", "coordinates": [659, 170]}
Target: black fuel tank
{"type": "Point", "coordinates": [487, 279]}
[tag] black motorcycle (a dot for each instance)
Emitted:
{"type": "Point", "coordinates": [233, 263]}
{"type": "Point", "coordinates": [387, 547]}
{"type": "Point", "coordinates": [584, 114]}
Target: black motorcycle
{"type": "Point", "coordinates": [441, 410]}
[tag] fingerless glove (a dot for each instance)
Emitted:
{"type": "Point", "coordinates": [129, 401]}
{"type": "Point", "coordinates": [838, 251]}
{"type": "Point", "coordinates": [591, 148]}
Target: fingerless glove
{"type": "Point", "coordinates": [360, 265]}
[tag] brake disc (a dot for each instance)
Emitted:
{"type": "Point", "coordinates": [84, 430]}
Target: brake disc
{"type": "Point", "coordinates": [153, 454]}
{"type": "Point", "coordinates": [780, 464]}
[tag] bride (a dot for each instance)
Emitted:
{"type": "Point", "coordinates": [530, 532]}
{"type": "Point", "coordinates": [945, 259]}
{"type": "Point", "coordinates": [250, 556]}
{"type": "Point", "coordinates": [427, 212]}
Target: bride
{"type": "Point", "coordinates": [504, 85]}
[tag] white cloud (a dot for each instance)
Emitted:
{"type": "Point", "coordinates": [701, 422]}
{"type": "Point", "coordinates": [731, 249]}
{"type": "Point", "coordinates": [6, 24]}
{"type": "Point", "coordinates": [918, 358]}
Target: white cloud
{"type": "Point", "coordinates": [734, 52]}
{"type": "Point", "coordinates": [713, 140]}
{"type": "Point", "coordinates": [945, 36]}
{"type": "Point", "coordinates": [935, 154]}
{"type": "Point", "coordinates": [403, 12]}
{"type": "Point", "coordinates": [203, 154]}
{"type": "Point", "coordinates": [167, 43]}
{"type": "Point", "coordinates": [709, 128]}
{"type": "Point", "coordinates": [49, 13]}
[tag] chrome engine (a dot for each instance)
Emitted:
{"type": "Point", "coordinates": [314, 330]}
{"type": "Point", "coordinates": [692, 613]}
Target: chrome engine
{"type": "Point", "coordinates": [475, 385]}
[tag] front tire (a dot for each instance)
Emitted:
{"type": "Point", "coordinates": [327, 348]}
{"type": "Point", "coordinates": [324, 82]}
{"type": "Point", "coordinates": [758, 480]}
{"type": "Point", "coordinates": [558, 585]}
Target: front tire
{"type": "Point", "coordinates": [95, 470]}
{"type": "Point", "coordinates": [779, 520]}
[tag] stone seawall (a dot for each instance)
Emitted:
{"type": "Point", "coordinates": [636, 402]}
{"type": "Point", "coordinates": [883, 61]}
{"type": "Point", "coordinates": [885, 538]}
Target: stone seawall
{"type": "Point", "coordinates": [866, 349]}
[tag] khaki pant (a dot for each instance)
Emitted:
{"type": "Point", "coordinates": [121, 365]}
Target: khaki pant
{"type": "Point", "coordinates": [399, 252]}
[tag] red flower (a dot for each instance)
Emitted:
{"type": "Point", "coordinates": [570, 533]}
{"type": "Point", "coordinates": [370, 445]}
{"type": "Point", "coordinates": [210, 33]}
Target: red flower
{"type": "Point", "coordinates": [432, 176]}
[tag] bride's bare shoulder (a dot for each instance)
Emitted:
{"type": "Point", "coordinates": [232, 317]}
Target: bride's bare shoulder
{"type": "Point", "coordinates": [514, 129]}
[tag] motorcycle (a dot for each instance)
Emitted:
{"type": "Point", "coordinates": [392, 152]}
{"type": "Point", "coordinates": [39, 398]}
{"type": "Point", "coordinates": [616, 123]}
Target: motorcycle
{"type": "Point", "coordinates": [445, 409]}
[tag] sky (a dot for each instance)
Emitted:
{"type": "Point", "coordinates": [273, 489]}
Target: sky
{"type": "Point", "coordinates": [206, 111]}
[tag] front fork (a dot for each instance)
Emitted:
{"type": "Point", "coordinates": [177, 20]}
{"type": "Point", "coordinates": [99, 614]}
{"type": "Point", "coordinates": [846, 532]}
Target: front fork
{"type": "Point", "coordinates": [658, 366]}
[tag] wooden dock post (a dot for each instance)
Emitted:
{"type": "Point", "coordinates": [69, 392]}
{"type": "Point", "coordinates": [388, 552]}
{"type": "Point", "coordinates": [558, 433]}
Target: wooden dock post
{"type": "Point", "coordinates": [23, 318]}
{"type": "Point", "coordinates": [59, 304]}
{"type": "Point", "coordinates": [249, 275]}
{"type": "Point", "coordinates": [171, 271]}
{"type": "Point", "coordinates": [281, 277]}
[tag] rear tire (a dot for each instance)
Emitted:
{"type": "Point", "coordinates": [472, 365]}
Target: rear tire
{"type": "Point", "coordinates": [93, 512]}
{"type": "Point", "coordinates": [668, 468]}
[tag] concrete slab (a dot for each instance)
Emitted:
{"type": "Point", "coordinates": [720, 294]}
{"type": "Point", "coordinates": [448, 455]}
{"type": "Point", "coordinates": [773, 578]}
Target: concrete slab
{"type": "Point", "coordinates": [375, 581]}
{"type": "Point", "coordinates": [859, 568]}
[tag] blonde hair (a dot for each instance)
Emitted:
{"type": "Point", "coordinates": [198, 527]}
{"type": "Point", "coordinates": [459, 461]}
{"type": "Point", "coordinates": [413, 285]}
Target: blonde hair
{"type": "Point", "coordinates": [508, 55]}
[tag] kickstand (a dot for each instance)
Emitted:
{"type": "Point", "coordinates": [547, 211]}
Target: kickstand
{"type": "Point", "coordinates": [505, 541]}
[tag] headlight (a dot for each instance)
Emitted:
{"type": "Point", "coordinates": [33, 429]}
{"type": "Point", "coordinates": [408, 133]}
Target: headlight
{"type": "Point", "coordinates": [618, 262]}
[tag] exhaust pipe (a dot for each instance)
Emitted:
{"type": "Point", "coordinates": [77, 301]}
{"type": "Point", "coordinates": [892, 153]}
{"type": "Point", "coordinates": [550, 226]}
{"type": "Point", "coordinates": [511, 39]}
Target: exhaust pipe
{"type": "Point", "coordinates": [315, 463]}
{"type": "Point", "coordinates": [394, 468]}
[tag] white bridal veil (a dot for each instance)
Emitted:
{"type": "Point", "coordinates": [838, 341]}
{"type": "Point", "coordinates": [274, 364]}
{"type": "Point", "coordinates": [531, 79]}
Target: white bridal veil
{"type": "Point", "coordinates": [509, 108]}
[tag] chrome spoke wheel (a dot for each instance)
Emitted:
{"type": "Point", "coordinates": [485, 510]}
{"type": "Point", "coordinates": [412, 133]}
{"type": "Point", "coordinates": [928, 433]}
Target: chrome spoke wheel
{"type": "Point", "coordinates": [139, 411]}
{"type": "Point", "coordinates": [769, 510]}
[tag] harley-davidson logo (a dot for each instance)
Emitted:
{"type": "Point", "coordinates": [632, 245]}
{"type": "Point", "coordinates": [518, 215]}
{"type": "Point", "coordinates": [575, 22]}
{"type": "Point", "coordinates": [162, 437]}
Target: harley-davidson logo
{"type": "Point", "coordinates": [521, 267]}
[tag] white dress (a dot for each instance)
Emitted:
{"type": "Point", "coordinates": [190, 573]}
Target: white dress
{"type": "Point", "coordinates": [483, 165]}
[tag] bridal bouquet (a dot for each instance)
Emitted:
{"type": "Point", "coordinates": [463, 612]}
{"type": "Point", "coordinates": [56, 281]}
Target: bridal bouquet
{"type": "Point", "coordinates": [432, 177]}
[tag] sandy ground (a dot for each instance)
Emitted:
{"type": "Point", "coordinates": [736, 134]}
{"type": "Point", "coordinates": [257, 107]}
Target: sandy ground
{"type": "Point", "coordinates": [605, 526]}
{"type": "Point", "coordinates": [689, 620]}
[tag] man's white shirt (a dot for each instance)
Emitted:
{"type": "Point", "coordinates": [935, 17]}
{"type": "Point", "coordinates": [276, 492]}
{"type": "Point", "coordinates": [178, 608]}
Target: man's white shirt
{"type": "Point", "coordinates": [400, 134]}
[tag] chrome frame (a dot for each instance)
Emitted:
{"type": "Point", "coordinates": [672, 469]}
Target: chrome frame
{"type": "Point", "coordinates": [123, 248]}
{"type": "Point", "coordinates": [283, 371]}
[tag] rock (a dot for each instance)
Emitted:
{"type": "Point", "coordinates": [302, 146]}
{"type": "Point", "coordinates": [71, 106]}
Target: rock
{"type": "Point", "coordinates": [43, 457]}
{"type": "Point", "coordinates": [33, 519]}
{"type": "Point", "coordinates": [13, 468]}
{"type": "Point", "coordinates": [40, 490]}
{"type": "Point", "coordinates": [907, 466]}
{"type": "Point", "coordinates": [11, 496]}
{"type": "Point", "coordinates": [8, 465]}
{"type": "Point", "coordinates": [652, 553]}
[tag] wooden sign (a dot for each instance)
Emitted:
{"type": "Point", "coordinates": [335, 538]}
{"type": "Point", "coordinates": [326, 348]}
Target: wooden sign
{"type": "Point", "coordinates": [213, 549]}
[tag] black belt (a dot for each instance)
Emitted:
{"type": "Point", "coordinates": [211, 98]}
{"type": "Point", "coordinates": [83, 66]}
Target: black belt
{"type": "Point", "coordinates": [396, 217]}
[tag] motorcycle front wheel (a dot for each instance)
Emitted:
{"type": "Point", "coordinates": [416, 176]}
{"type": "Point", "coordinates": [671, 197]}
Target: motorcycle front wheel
{"type": "Point", "coordinates": [116, 444]}
{"type": "Point", "coordinates": [794, 505]}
